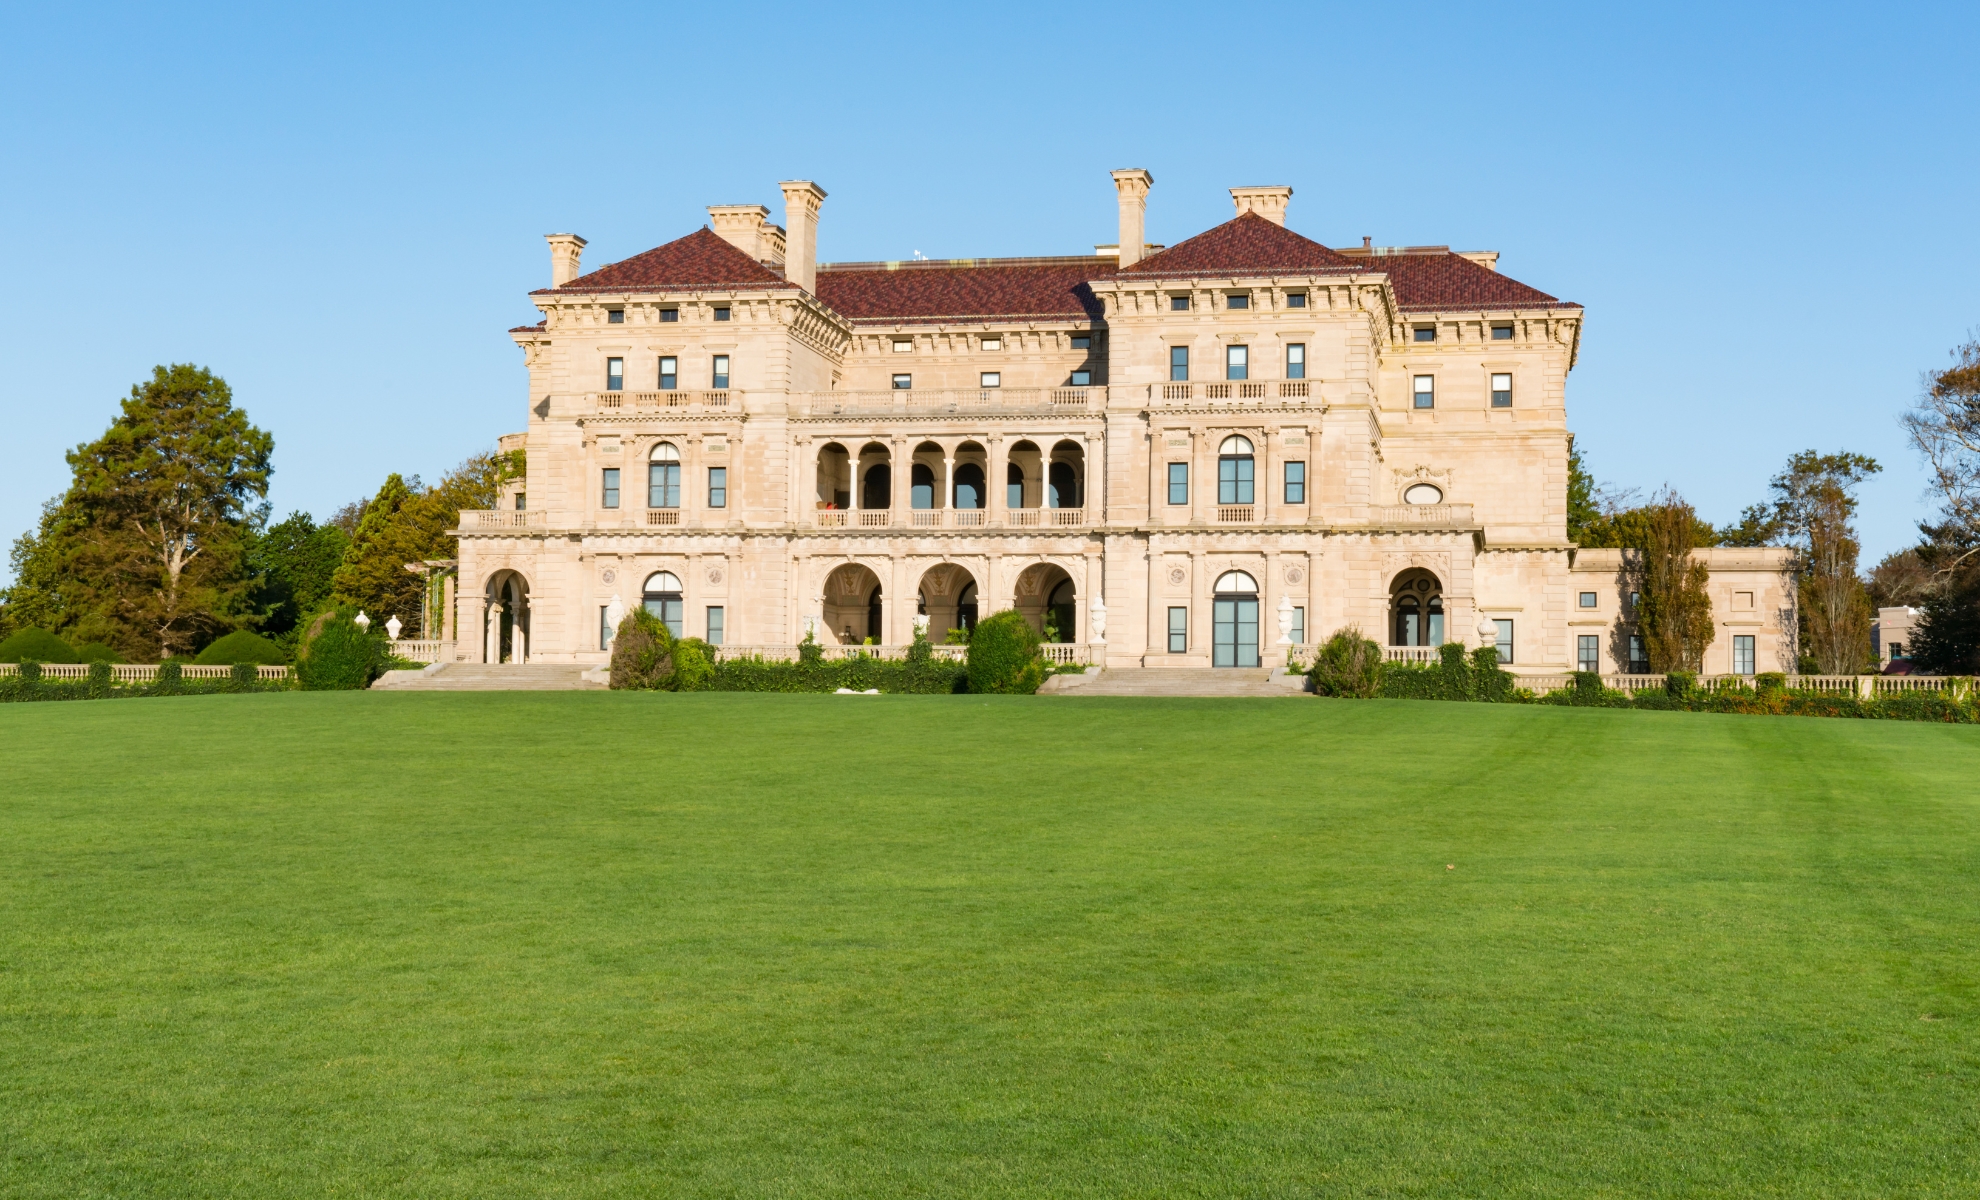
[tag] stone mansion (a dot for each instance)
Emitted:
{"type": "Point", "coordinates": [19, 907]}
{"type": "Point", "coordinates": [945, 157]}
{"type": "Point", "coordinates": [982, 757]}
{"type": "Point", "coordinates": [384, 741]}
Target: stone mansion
{"type": "Point", "coordinates": [1207, 454]}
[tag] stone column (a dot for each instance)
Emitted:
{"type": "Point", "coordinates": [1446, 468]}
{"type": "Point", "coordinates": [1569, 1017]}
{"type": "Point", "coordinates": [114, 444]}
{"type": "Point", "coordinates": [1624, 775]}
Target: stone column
{"type": "Point", "coordinates": [852, 494]}
{"type": "Point", "coordinates": [996, 458]}
{"type": "Point", "coordinates": [896, 480]}
{"type": "Point", "coordinates": [948, 497]}
{"type": "Point", "coordinates": [1264, 483]}
{"type": "Point", "coordinates": [492, 635]}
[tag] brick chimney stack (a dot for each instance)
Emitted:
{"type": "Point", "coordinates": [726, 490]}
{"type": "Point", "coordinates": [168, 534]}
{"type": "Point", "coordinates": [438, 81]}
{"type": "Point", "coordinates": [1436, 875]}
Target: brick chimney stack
{"type": "Point", "coordinates": [1133, 185]}
{"type": "Point", "coordinates": [802, 200]}
{"type": "Point", "coordinates": [566, 249]}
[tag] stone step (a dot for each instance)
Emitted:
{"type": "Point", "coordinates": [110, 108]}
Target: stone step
{"type": "Point", "coordinates": [488, 677]}
{"type": "Point", "coordinates": [1180, 681]}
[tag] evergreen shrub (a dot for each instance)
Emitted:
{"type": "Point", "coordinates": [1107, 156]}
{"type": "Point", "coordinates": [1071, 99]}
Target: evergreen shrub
{"type": "Point", "coordinates": [243, 676]}
{"type": "Point", "coordinates": [694, 666]}
{"type": "Point", "coordinates": [1003, 655]}
{"type": "Point", "coordinates": [1349, 665]}
{"type": "Point", "coordinates": [94, 652]}
{"type": "Point", "coordinates": [170, 676]}
{"type": "Point", "coordinates": [642, 653]}
{"type": "Point", "coordinates": [36, 645]}
{"type": "Point", "coordinates": [241, 646]}
{"type": "Point", "coordinates": [340, 655]}
{"type": "Point", "coordinates": [99, 679]}
{"type": "Point", "coordinates": [1680, 684]}
{"type": "Point", "coordinates": [858, 673]}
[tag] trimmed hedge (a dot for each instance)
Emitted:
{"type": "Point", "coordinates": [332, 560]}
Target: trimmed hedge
{"type": "Point", "coordinates": [242, 646]}
{"type": "Point", "coordinates": [1456, 675]}
{"type": "Point", "coordinates": [99, 686]}
{"type": "Point", "coordinates": [36, 645]}
{"type": "Point", "coordinates": [892, 676]}
{"type": "Point", "coordinates": [94, 652]}
{"type": "Point", "coordinates": [338, 655]}
{"type": "Point", "coordinates": [1003, 655]}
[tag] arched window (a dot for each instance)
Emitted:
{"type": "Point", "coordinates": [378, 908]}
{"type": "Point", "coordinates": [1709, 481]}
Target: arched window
{"type": "Point", "coordinates": [877, 487]}
{"type": "Point", "coordinates": [1234, 471]}
{"type": "Point", "coordinates": [969, 486]}
{"type": "Point", "coordinates": [662, 597]}
{"type": "Point", "coordinates": [1236, 583]}
{"type": "Point", "coordinates": [1065, 486]}
{"type": "Point", "coordinates": [1418, 608]}
{"type": "Point", "coordinates": [921, 486]}
{"type": "Point", "coordinates": [1013, 486]}
{"type": "Point", "coordinates": [663, 477]}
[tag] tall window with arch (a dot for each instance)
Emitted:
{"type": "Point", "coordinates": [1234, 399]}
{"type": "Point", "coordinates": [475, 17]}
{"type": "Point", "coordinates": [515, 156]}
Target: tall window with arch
{"type": "Point", "coordinates": [1418, 610]}
{"type": "Point", "coordinates": [662, 597]}
{"type": "Point", "coordinates": [663, 477]}
{"type": "Point", "coordinates": [1235, 471]}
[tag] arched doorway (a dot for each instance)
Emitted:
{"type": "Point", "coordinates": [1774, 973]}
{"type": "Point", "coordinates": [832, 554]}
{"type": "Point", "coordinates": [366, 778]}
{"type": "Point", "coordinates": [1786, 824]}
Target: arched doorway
{"type": "Point", "coordinates": [1416, 609]}
{"type": "Point", "coordinates": [662, 597]}
{"type": "Point", "coordinates": [834, 477]}
{"type": "Point", "coordinates": [946, 595]}
{"type": "Point", "coordinates": [854, 607]}
{"type": "Point", "coordinates": [1234, 621]}
{"type": "Point", "coordinates": [1048, 599]}
{"type": "Point", "coordinates": [1061, 614]}
{"type": "Point", "coordinates": [505, 632]}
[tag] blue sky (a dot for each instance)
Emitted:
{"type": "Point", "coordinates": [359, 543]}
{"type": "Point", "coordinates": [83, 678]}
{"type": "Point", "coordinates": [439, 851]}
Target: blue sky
{"type": "Point", "coordinates": [1768, 211]}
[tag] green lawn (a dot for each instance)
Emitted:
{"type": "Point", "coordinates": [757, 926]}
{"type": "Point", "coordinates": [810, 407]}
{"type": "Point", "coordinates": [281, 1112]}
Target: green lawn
{"type": "Point", "coordinates": [817, 946]}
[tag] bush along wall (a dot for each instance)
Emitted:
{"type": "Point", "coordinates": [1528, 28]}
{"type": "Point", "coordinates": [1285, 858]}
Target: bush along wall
{"type": "Point", "coordinates": [1456, 675]}
{"type": "Point", "coordinates": [31, 685]}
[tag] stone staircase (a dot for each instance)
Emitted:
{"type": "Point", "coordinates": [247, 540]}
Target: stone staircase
{"type": "Point", "coordinates": [1177, 681]}
{"type": "Point", "coordinates": [485, 677]}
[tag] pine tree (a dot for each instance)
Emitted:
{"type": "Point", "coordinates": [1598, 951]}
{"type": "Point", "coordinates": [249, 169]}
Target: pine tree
{"type": "Point", "coordinates": [1676, 610]}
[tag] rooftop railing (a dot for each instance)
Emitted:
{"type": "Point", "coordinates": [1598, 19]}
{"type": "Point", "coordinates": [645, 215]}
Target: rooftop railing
{"type": "Point", "coordinates": [503, 518]}
{"type": "Point", "coordinates": [936, 401]}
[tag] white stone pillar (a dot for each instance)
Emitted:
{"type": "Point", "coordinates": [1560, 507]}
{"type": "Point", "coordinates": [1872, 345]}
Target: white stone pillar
{"type": "Point", "coordinates": [996, 458]}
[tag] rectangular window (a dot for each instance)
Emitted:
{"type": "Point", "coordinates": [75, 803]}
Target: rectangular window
{"type": "Point", "coordinates": [1587, 600]}
{"type": "Point", "coordinates": [1635, 598]}
{"type": "Point", "coordinates": [663, 485]}
{"type": "Point", "coordinates": [1639, 659]}
{"type": "Point", "coordinates": [1425, 391]}
{"type": "Point", "coordinates": [1237, 362]}
{"type": "Point", "coordinates": [1897, 650]}
{"type": "Point", "coordinates": [1426, 333]}
{"type": "Point", "coordinates": [1179, 631]}
{"type": "Point", "coordinates": [1588, 652]}
{"type": "Point", "coordinates": [903, 383]}
{"type": "Point", "coordinates": [718, 487]}
{"type": "Point", "coordinates": [1295, 483]}
{"type": "Point", "coordinates": [721, 312]}
{"type": "Point", "coordinates": [1179, 483]}
{"type": "Point", "coordinates": [1234, 479]}
{"type": "Point", "coordinates": [615, 374]}
{"type": "Point", "coordinates": [1504, 640]}
{"type": "Point", "coordinates": [670, 315]}
{"type": "Point", "coordinates": [1296, 360]}
{"type": "Point", "coordinates": [522, 501]}
{"type": "Point", "coordinates": [1502, 333]}
{"type": "Point", "coordinates": [1502, 390]}
{"type": "Point", "coordinates": [1299, 622]}
{"type": "Point", "coordinates": [615, 316]}
{"type": "Point", "coordinates": [990, 379]}
{"type": "Point", "coordinates": [670, 374]}
{"type": "Point", "coordinates": [903, 346]}
{"type": "Point", "coordinates": [721, 373]}
{"type": "Point", "coordinates": [609, 497]}
{"type": "Point", "coordinates": [993, 343]}
{"type": "Point", "coordinates": [1178, 363]}
{"type": "Point", "coordinates": [604, 627]}
{"type": "Point", "coordinates": [715, 622]}
{"type": "Point", "coordinates": [1082, 378]}
{"type": "Point", "coordinates": [1237, 301]}
{"type": "Point", "coordinates": [1743, 654]}
{"type": "Point", "coordinates": [1179, 304]}
{"type": "Point", "coordinates": [1082, 341]}
{"type": "Point", "coordinates": [1295, 299]}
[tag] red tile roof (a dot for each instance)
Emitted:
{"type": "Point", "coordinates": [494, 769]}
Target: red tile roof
{"type": "Point", "coordinates": [1053, 289]}
{"type": "Point", "coordinates": [1446, 281]}
{"type": "Point", "coordinates": [1246, 245]}
{"type": "Point", "coordinates": [536, 328]}
{"type": "Point", "coordinates": [699, 260]}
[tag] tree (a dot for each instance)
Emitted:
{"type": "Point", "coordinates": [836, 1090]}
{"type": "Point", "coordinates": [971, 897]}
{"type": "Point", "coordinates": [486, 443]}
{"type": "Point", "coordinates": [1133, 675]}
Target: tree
{"type": "Point", "coordinates": [1813, 509]}
{"type": "Point", "coordinates": [1945, 429]}
{"type": "Point", "coordinates": [293, 563]}
{"type": "Point", "coordinates": [1582, 509]}
{"type": "Point", "coordinates": [406, 523]}
{"type": "Point", "coordinates": [1900, 580]}
{"type": "Point", "coordinates": [1676, 610]}
{"type": "Point", "coordinates": [146, 548]}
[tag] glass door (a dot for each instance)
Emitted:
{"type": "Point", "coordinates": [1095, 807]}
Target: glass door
{"type": "Point", "coordinates": [1235, 632]}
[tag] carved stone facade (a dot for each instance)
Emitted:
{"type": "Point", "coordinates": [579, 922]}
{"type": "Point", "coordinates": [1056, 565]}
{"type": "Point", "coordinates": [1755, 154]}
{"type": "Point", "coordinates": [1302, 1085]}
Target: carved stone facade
{"type": "Point", "coordinates": [1243, 430]}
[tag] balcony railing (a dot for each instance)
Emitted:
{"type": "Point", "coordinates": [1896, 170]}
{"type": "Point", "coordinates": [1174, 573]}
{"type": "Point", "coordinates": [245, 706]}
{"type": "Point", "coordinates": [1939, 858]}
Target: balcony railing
{"type": "Point", "coordinates": [673, 398]}
{"type": "Point", "coordinates": [502, 518]}
{"type": "Point", "coordinates": [1280, 389]}
{"type": "Point", "coordinates": [1420, 516]}
{"type": "Point", "coordinates": [945, 518]}
{"type": "Point", "coordinates": [663, 516]}
{"type": "Point", "coordinates": [1236, 514]}
{"type": "Point", "coordinates": [936, 401]}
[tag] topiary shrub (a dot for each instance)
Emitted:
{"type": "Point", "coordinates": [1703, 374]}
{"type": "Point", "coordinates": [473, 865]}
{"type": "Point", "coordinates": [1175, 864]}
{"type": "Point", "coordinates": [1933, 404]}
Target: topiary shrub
{"type": "Point", "coordinates": [170, 678]}
{"type": "Point", "coordinates": [1348, 665]}
{"type": "Point", "coordinates": [694, 666]}
{"type": "Point", "coordinates": [1679, 684]}
{"type": "Point", "coordinates": [95, 652]}
{"type": "Point", "coordinates": [809, 651]}
{"type": "Point", "coordinates": [241, 646]}
{"type": "Point", "coordinates": [99, 679]}
{"type": "Point", "coordinates": [919, 650]}
{"type": "Point", "coordinates": [244, 675]}
{"type": "Point", "coordinates": [340, 656]}
{"type": "Point", "coordinates": [1587, 688]}
{"type": "Point", "coordinates": [1770, 683]}
{"type": "Point", "coordinates": [36, 645]}
{"type": "Point", "coordinates": [642, 653]}
{"type": "Point", "coordinates": [30, 672]}
{"type": "Point", "coordinates": [1488, 682]}
{"type": "Point", "coordinates": [1003, 655]}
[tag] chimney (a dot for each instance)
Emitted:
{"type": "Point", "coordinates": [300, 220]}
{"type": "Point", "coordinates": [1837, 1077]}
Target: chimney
{"type": "Point", "coordinates": [1133, 185]}
{"type": "Point", "coordinates": [565, 249]}
{"type": "Point", "coordinates": [743, 226]}
{"type": "Point", "coordinates": [802, 200]}
{"type": "Point", "coordinates": [1267, 202]}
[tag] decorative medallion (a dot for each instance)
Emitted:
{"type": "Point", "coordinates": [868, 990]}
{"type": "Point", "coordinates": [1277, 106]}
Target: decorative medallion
{"type": "Point", "coordinates": [1294, 575]}
{"type": "Point", "coordinates": [1177, 575]}
{"type": "Point", "coordinates": [608, 575]}
{"type": "Point", "coordinates": [714, 574]}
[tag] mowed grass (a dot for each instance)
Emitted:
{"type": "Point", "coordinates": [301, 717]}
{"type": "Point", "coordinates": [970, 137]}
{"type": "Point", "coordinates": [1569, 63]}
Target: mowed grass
{"type": "Point", "coordinates": [819, 946]}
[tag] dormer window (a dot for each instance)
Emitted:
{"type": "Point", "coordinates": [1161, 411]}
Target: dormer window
{"type": "Point", "coordinates": [990, 342]}
{"type": "Point", "coordinates": [670, 314]}
{"type": "Point", "coordinates": [721, 312]}
{"type": "Point", "coordinates": [615, 316]}
{"type": "Point", "coordinates": [1295, 299]}
{"type": "Point", "coordinates": [1238, 300]}
{"type": "Point", "coordinates": [1426, 333]}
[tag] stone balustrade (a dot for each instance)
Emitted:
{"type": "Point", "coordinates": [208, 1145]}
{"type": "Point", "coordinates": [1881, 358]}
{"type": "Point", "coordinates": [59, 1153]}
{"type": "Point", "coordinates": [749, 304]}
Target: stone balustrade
{"type": "Point", "coordinates": [142, 672]}
{"type": "Point", "coordinates": [1420, 516]}
{"type": "Point", "coordinates": [935, 401]}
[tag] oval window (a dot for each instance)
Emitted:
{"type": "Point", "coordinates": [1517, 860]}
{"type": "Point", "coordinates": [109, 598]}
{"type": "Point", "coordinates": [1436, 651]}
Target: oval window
{"type": "Point", "coordinates": [1423, 493]}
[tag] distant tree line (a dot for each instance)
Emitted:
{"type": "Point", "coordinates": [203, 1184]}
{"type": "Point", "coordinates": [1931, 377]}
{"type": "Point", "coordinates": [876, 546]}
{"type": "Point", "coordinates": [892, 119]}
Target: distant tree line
{"type": "Point", "coordinates": [162, 542]}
